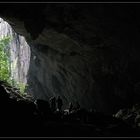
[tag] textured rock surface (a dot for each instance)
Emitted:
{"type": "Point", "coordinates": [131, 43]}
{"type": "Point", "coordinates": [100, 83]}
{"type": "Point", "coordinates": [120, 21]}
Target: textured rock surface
{"type": "Point", "coordinates": [19, 52]}
{"type": "Point", "coordinates": [84, 52]}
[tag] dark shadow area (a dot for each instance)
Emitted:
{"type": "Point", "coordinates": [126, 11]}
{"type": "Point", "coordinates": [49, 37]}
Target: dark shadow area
{"type": "Point", "coordinates": [24, 116]}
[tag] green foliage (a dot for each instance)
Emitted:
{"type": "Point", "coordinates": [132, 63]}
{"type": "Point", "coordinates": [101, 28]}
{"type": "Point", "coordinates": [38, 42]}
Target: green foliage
{"type": "Point", "coordinates": [5, 72]}
{"type": "Point", "coordinates": [4, 61]}
{"type": "Point", "coordinates": [22, 87]}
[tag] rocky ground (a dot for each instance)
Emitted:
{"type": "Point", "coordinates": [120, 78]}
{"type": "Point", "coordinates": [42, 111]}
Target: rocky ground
{"type": "Point", "coordinates": [22, 116]}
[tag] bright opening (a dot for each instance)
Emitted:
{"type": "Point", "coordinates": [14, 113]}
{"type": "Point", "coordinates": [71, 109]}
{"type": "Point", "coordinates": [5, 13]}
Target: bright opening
{"type": "Point", "coordinates": [14, 57]}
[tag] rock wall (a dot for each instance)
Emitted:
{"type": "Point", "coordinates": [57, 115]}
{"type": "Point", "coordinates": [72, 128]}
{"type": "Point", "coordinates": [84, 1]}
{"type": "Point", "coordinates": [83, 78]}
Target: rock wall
{"type": "Point", "coordinates": [19, 52]}
{"type": "Point", "coordinates": [84, 52]}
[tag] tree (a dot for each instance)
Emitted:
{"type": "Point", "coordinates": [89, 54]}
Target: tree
{"type": "Point", "coordinates": [5, 65]}
{"type": "Point", "coordinates": [4, 59]}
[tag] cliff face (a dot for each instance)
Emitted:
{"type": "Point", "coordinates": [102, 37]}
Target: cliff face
{"type": "Point", "coordinates": [84, 52]}
{"type": "Point", "coordinates": [19, 52]}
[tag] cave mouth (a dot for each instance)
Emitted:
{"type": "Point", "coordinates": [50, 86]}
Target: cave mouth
{"type": "Point", "coordinates": [15, 65]}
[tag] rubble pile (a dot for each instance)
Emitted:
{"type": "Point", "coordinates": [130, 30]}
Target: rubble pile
{"type": "Point", "coordinates": [130, 115]}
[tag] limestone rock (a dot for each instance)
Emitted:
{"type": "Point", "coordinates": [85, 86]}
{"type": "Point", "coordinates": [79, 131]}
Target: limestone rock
{"type": "Point", "coordinates": [84, 52]}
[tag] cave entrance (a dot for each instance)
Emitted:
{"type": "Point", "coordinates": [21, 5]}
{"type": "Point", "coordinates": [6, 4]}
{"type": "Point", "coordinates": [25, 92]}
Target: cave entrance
{"type": "Point", "coordinates": [15, 57]}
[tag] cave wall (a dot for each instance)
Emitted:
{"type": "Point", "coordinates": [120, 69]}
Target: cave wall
{"type": "Point", "coordinates": [84, 52]}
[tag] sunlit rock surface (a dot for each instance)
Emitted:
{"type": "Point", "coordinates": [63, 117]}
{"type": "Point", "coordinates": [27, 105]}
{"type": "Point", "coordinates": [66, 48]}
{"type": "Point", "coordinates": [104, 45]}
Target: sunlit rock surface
{"type": "Point", "coordinates": [19, 52]}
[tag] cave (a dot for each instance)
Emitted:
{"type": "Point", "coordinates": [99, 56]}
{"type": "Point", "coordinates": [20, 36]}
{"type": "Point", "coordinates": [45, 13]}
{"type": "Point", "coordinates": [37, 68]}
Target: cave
{"type": "Point", "coordinates": [83, 52]}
